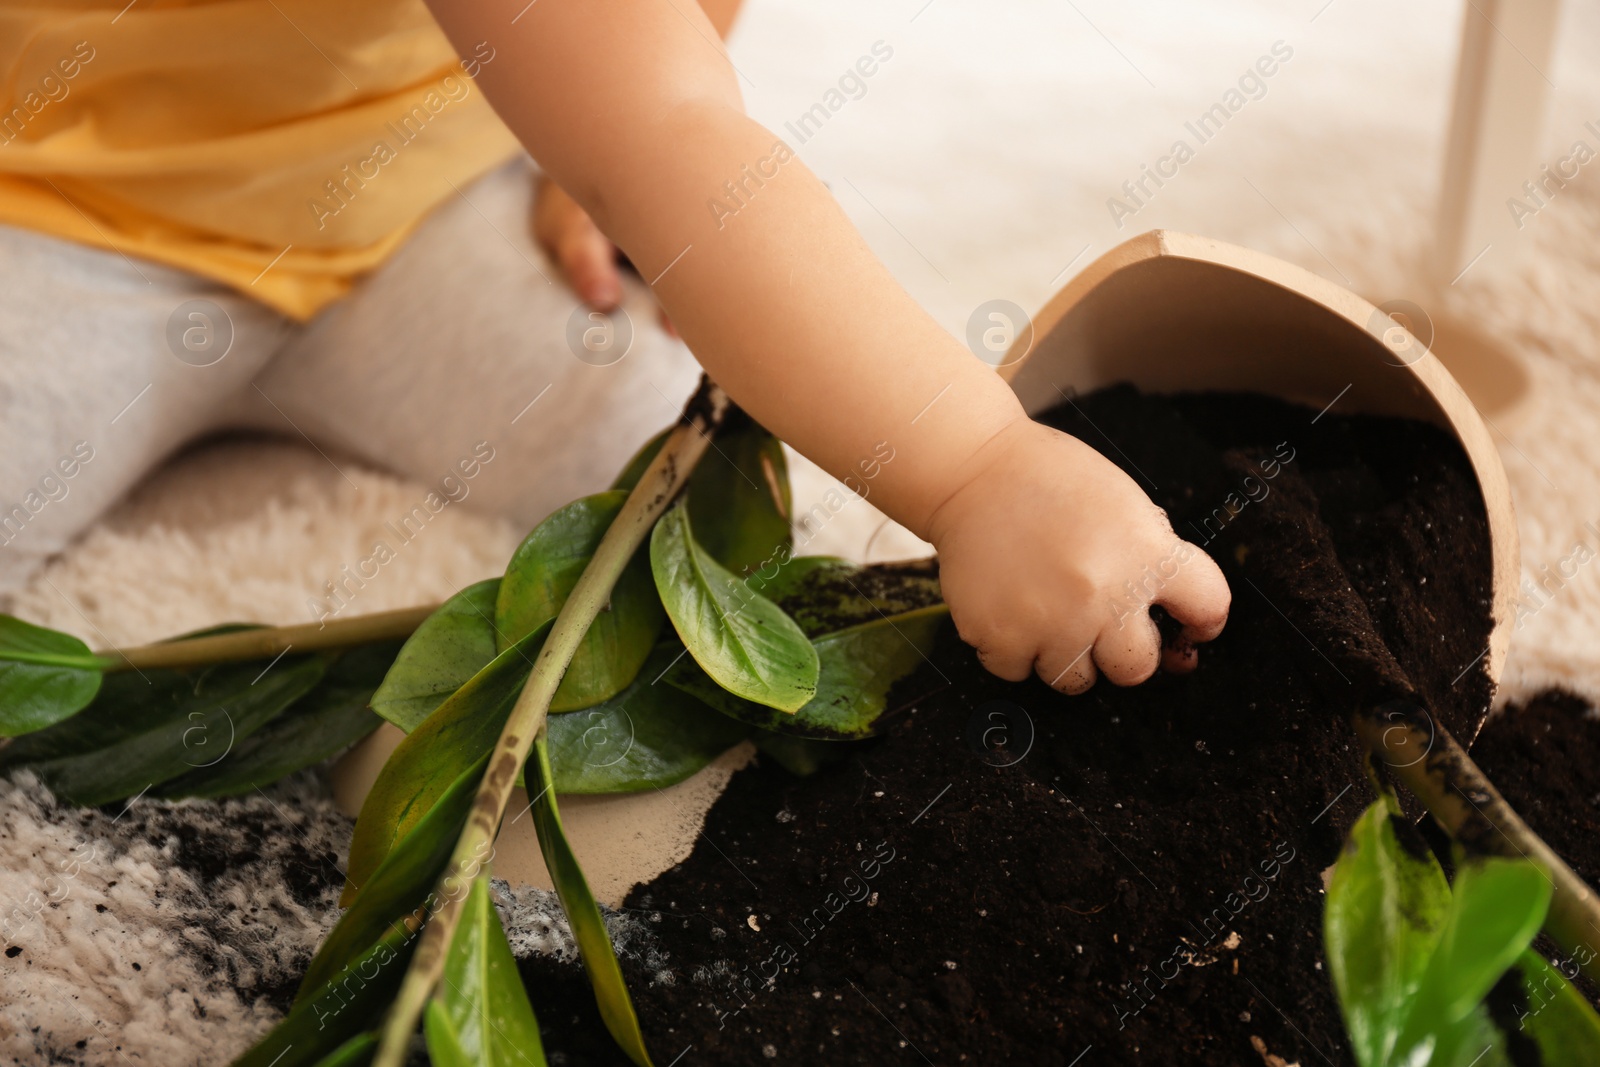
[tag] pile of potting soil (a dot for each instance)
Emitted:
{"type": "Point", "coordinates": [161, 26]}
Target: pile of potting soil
{"type": "Point", "coordinates": [1132, 876]}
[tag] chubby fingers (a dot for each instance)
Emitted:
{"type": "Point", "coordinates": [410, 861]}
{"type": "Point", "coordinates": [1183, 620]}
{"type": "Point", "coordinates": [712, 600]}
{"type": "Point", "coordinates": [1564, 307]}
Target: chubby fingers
{"type": "Point", "coordinates": [1069, 666]}
{"type": "Point", "coordinates": [1128, 649]}
{"type": "Point", "coordinates": [1069, 642]}
{"type": "Point", "coordinates": [1197, 597]}
{"type": "Point", "coordinates": [589, 261]}
{"type": "Point", "coordinates": [1013, 654]}
{"type": "Point", "coordinates": [586, 257]}
{"type": "Point", "coordinates": [1004, 655]}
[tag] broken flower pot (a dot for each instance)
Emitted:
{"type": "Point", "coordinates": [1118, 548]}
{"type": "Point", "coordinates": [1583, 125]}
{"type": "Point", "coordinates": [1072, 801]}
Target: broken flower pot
{"type": "Point", "coordinates": [1175, 312]}
{"type": "Point", "coordinates": [1166, 312]}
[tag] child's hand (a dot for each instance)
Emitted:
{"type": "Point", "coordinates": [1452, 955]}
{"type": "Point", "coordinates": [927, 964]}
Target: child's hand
{"type": "Point", "coordinates": [586, 256]}
{"type": "Point", "coordinates": [1050, 557]}
{"type": "Point", "coordinates": [785, 305]}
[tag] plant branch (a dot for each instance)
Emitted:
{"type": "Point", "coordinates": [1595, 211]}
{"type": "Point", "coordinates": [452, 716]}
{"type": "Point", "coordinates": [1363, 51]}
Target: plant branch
{"type": "Point", "coordinates": [660, 483]}
{"type": "Point", "coordinates": [1423, 755]}
{"type": "Point", "coordinates": [267, 641]}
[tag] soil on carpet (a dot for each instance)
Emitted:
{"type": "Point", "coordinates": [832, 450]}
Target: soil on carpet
{"type": "Point", "coordinates": [1131, 876]}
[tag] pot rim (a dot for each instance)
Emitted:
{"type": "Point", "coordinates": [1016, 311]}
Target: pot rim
{"type": "Point", "coordinates": [1061, 340]}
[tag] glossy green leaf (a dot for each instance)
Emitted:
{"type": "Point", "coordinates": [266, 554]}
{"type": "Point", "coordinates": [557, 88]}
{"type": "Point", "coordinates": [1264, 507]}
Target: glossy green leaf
{"type": "Point", "coordinates": [460, 732]}
{"type": "Point", "coordinates": [1554, 1015]}
{"type": "Point", "coordinates": [583, 913]}
{"type": "Point", "coordinates": [741, 639]}
{"type": "Point", "coordinates": [450, 646]}
{"type": "Point", "coordinates": [1472, 1041]}
{"type": "Point", "coordinates": [479, 1015]}
{"type": "Point", "coordinates": [1386, 903]}
{"type": "Point", "coordinates": [129, 701]}
{"type": "Point", "coordinates": [147, 728]}
{"type": "Point", "coordinates": [860, 669]}
{"type": "Point", "coordinates": [641, 459]}
{"type": "Point", "coordinates": [329, 719]}
{"type": "Point", "coordinates": [648, 736]}
{"type": "Point", "coordinates": [1413, 959]}
{"type": "Point", "coordinates": [739, 497]}
{"type": "Point", "coordinates": [665, 734]}
{"type": "Point", "coordinates": [127, 704]}
{"type": "Point", "coordinates": [45, 676]}
{"type": "Point", "coordinates": [873, 627]}
{"type": "Point", "coordinates": [402, 884]}
{"type": "Point", "coordinates": [1496, 909]}
{"type": "Point", "coordinates": [739, 501]}
{"type": "Point", "coordinates": [327, 1027]}
{"type": "Point", "coordinates": [541, 575]}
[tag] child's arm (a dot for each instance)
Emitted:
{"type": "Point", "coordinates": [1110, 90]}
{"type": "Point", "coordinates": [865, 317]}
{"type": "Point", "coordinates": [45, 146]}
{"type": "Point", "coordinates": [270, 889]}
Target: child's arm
{"type": "Point", "coordinates": [633, 108]}
{"type": "Point", "coordinates": [587, 258]}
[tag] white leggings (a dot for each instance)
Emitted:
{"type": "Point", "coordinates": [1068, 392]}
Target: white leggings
{"type": "Point", "coordinates": [108, 364]}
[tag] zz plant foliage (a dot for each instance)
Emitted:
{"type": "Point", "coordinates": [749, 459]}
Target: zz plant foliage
{"type": "Point", "coordinates": [1441, 972]}
{"type": "Point", "coordinates": [705, 632]}
{"type": "Point", "coordinates": [636, 635]}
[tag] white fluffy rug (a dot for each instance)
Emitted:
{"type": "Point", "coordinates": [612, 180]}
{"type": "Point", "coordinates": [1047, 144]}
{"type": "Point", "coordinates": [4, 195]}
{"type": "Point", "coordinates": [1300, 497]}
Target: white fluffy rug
{"type": "Point", "coordinates": [978, 162]}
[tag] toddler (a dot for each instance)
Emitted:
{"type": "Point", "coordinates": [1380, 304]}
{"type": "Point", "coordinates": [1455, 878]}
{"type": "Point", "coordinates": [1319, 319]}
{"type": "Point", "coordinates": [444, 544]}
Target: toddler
{"type": "Point", "coordinates": [314, 218]}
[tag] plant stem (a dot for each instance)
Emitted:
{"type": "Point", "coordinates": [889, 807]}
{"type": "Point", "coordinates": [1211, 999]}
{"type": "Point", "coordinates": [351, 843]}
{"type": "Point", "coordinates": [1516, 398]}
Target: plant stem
{"type": "Point", "coordinates": [660, 483]}
{"type": "Point", "coordinates": [267, 641]}
{"type": "Point", "coordinates": [1421, 753]}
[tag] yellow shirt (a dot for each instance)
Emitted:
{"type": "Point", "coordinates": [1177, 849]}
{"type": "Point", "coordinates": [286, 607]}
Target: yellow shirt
{"type": "Point", "coordinates": [283, 147]}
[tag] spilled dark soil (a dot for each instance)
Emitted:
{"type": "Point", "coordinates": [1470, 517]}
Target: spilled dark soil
{"type": "Point", "coordinates": [1133, 876]}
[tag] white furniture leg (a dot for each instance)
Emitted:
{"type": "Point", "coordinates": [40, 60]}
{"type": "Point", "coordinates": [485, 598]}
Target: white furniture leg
{"type": "Point", "coordinates": [1502, 85]}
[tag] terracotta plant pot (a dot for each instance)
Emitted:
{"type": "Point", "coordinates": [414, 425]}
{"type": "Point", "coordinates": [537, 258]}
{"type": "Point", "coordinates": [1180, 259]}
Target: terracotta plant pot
{"type": "Point", "coordinates": [1167, 312]}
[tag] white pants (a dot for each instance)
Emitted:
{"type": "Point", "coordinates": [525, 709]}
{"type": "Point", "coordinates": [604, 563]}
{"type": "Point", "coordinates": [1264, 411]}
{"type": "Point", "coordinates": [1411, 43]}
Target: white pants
{"type": "Point", "coordinates": [108, 364]}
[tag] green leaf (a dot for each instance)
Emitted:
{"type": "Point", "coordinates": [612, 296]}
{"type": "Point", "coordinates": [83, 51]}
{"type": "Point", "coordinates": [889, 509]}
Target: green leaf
{"type": "Point", "coordinates": [325, 1026]}
{"type": "Point", "coordinates": [479, 1015]}
{"type": "Point", "coordinates": [450, 646]}
{"type": "Point", "coordinates": [583, 914]}
{"type": "Point", "coordinates": [825, 595]}
{"type": "Point", "coordinates": [1387, 901]}
{"type": "Point", "coordinates": [641, 459]}
{"type": "Point", "coordinates": [1496, 909]}
{"type": "Point", "coordinates": [147, 728]}
{"type": "Point", "coordinates": [1413, 958]}
{"type": "Point", "coordinates": [326, 721]}
{"type": "Point", "coordinates": [357, 1052]}
{"type": "Point", "coordinates": [1472, 1041]}
{"type": "Point", "coordinates": [791, 578]}
{"type": "Point", "coordinates": [859, 668]}
{"type": "Point", "coordinates": [402, 884]}
{"type": "Point", "coordinates": [871, 626]}
{"type": "Point", "coordinates": [541, 575]}
{"type": "Point", "coordinates": [460, 732]}
{"type": "Point", "coordinates": [739, 501]}
{"type": "Point", "coordinates": [648, 736]}
{"type": "Point", "coordinates": [1555, 1016]}
{"type": "Point", "coordinates": [672, 734]}
{"type": "Point", "coordinates": [741, 639]}
{"type": "Point", "coordinates": [125, 706]}
{"type": "Point", "coordinates": [45, 676]}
